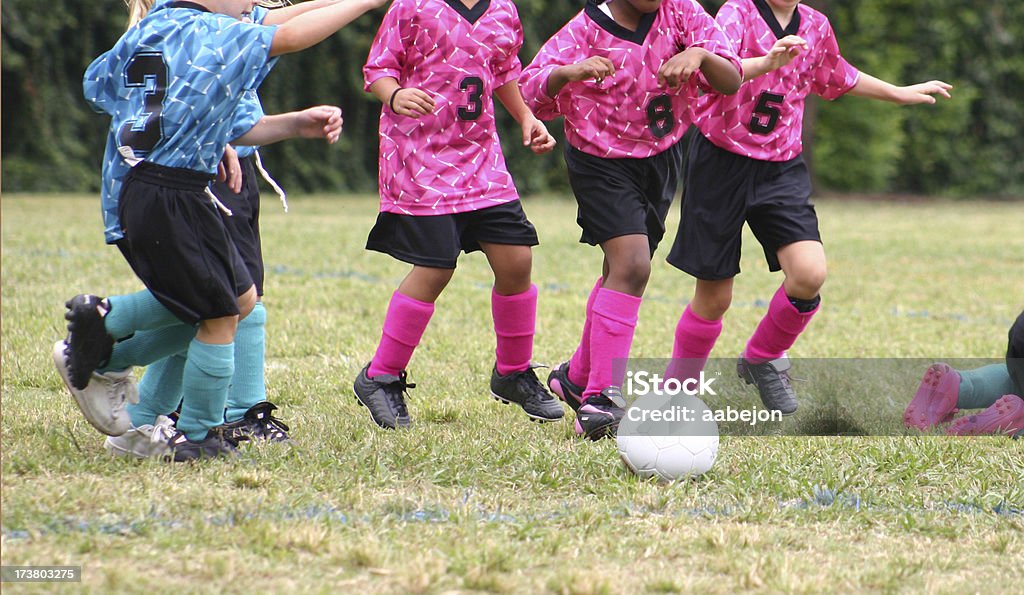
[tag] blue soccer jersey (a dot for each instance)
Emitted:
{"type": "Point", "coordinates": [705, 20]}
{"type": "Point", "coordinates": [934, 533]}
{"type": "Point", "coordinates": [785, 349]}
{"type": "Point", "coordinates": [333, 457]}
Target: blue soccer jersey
{"type": "Point", "coordinates": [173, 86]}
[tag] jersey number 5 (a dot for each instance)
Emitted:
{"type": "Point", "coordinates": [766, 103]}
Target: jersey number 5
{"type": "Point", "coordinates": [475, 86]}
{"type": "Point", "coordinates": [147, 70]}
{"type": "Point", "coordinates": [767, 107]}
{"type": "Point", "coordinates": [659, 116]}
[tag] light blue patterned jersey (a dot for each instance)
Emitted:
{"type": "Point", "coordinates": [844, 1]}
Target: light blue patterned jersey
{"type": "Point", "coordinates": [173, 85]}
{"type": "Point", "coordinates": [250, 110]}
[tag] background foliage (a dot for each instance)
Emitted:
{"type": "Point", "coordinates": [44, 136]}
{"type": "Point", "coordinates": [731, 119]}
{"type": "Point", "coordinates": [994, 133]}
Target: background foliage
{"type": "Point", "coordinates": [966, 147]}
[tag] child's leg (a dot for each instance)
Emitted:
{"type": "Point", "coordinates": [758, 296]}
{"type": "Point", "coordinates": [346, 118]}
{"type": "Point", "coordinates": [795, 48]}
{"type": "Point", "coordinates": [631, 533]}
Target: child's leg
{"type": "Point", "coordinates": [160, 390]}
{"type": "Point", "coordinates": [409, 312]}
{"type": "Point", "coordinates": [699, 328]}
{"type": "Point", "coordinates": [513, 305]}
{"type": "Point", "coordinates": [793, 305]}
{"type": "Point", "coordinates": [248, 386]}
{"type": "Point", "coordinates": [579, 363]}
{"type": "Point", "coordinates": [981, 387]}
{"type": "Point", "coordinates": [616, 308]}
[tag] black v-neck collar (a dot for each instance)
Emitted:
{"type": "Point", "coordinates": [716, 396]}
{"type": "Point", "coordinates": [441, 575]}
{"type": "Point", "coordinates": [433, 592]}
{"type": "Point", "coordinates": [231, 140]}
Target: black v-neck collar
{"type": "Point", "coordinates": [773, 23]}
{"type": "Point", "coordinates": [192, 5]}
{"type": "Point", "coordinates": [607, 23]}
{"type": "Point", "coordinates": [470, 14]}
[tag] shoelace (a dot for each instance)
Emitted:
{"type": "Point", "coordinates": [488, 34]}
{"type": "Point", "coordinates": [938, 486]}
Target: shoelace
{"type": "Point", "coordinates": [395, 390]}
{"type": "Point", "coordinates": [122, 390]}
{"type": "Point", "coordinates": [531, 385]}
{"type": "Point", "coordinates": [163, 431]}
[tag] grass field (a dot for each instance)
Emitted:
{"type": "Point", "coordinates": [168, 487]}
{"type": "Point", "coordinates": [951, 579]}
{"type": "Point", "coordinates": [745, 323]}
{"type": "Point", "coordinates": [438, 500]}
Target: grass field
{"type": "Point", "coordinates": [475, 498]}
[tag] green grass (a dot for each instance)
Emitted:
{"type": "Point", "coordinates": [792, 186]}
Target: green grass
{"type": "Point", "coordinates": [475, 498]}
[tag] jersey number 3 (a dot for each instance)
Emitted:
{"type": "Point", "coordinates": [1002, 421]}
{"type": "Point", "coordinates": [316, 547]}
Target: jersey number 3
{"type": "Point", "coordinates": [146, 70]}
{"type": "Point", "coordinates": [475, 86]}
{"type": "Point", "coordinates": [766, 113]}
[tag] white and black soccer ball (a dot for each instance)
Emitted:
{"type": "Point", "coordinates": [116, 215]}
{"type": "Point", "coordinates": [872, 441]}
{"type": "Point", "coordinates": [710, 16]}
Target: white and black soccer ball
{"type": "Point", "coordinates": [652, 445]}
{"type": "Point", "coordinates": [668, 458]}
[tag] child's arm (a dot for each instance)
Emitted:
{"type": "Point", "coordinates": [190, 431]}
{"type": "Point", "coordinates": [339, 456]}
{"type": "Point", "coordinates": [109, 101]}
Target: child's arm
{"type": "Point", "coordinates": [781, 54]}
{"type": "Point", "coordinates": [594, 67]}
{"type": "Point", "coordinates": [404, 101]}
{"type": "Point", "coordinates": [873, 88]}
{"type": "Point", "coordinates": [310, 28]}
{"type": "Point", "coordinates": [323, 121]}
{"type": "Point", "coordinates": [720, 73]}
{"type": "Point", "coordinates": [535, 134]}
{"type": "Point", "coordinates": [280, 16]}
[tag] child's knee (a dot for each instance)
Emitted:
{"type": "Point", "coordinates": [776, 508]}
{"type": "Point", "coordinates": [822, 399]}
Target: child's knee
{"type": "Point", "coordinates": [806, 282]}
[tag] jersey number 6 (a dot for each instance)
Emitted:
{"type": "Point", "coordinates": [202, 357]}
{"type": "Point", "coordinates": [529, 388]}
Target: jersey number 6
{"type": "Point", "coordinates": [147, 70]}
{"type": "Point", "coordinates": [768, 105]}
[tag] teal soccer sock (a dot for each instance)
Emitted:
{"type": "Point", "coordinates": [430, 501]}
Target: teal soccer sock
{"type": "Point", "coordinates": [134, 312]}
{"type": "Point", "coordinates": [207, 374]}
{"type": "Point", "coordinates": [145, 347]}
{"type": "Point", "coordinates": [159, 391]}
{"type": "Point", "coordinates": [983, 386]}
{"type": "Point", "coordinates": [248, 386]}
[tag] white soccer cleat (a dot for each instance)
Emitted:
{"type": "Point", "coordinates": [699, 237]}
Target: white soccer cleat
{"type": "Point", "coordinates": [144, 442]}
{"type": "Point", "coordinates": [103, 400]}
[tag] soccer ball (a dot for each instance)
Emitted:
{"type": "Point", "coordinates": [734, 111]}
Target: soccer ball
{"type": "Point", "coordinates": [654, 439]}
{"type": "Point", "coordinates": [668, 458]}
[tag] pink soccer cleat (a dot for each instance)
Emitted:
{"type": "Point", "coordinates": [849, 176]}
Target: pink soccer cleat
{"type": "Point", "coordinates": [934, 402]}
{"type": "Point", "coordinates": [1005, 416]}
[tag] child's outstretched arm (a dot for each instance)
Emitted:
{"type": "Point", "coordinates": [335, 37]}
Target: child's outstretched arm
{"type": "Point", "coordinates": [874, 88]}
{"type": "Point", "coordinates": [322, 121]}
{"type": "Point", "coordinates": [782, 53]}
{"type": "Point", "coordinates": [720, 73]}
{"type": "Point", "coordinates": [594, 67]}
{"type": "Point", "coordinates": [535, 134]}
{"type": "Point", "coordinates": [310, 28]}
{"type": "Point", "coordinates": [279, 16]}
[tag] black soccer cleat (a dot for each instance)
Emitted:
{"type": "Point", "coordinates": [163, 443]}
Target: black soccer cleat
{"type": "Point", "coordinates": [772, 381]}
{"type": "Point", "coordinates": [258, 423]}
{"type": "Point", "coordinates": [384, 397]}
{"type": "Point", "coordinates": [524, 389]}
{"type": "Point", "coordinates": [565, 389]}
{"type": "Point", "coordinates": [88, 344]}
{"type": "Point", "coordinates": [183, 450]}
{"type": "Point", "coordinates": [599, 416]}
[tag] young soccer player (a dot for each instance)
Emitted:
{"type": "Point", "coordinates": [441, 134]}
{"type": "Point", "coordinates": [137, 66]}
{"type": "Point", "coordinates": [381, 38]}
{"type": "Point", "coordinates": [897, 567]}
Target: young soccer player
{"type": "Point", "coordinates": [248, 413]}
{"type": "Point", "coordinates": [444, 188]}
{"type": "Point", "coordinates": [998, 389]}
{"type": "Point", "coordinates": [746, 165]}
{"type": "Point", "coordinates": [172, 85]}
{"type": "Point", "coordinates": [623, 74]}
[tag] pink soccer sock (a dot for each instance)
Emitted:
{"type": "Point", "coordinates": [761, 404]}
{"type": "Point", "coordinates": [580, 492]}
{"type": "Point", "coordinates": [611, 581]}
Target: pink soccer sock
{"type": "Point", "coordinates": [515, 318]}
{"type": "Point", "coordinates": [695, 337]}
{"type": "Point", "coordinates": [579, 364]}
{"type": "Point", "coordinates": [778, 330]}
{"type": "Point", "coordinates": [615, 316]}
{"type": "Point", "coordinates": [404, 324]}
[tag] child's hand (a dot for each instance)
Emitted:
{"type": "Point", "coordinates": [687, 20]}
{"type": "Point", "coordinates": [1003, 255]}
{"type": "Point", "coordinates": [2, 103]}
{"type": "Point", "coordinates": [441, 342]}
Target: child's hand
{"type": "Point", "coordinates": [923, 92]}
{"type": "Point", "coordinates": [412, 102]}
{"type": "Point", "coordinates": [229, 170]}
{"type": "Point", "coordinates": [594, 67]}
{"type": "Point", "coordinates": [678, 69]}
{"type": "Point", "coordinates": [322, 121]}
{"type": "Point", "coordinates": [536, 136]}
{"type": "Point", "coordinates": [784, 51]}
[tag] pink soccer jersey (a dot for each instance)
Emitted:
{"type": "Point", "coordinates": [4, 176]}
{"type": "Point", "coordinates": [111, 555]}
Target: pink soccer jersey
{"type": "Point", "coordinates": [628, 114]}
{"type": "Point", "coordinates": [449, 161]}
{"type": "Point", "coordinates": [764, 119]}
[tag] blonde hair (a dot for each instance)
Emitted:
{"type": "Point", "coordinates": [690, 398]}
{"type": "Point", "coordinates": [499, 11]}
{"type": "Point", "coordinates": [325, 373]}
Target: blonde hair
{"type": "Point", "coordinates": [138, 9]}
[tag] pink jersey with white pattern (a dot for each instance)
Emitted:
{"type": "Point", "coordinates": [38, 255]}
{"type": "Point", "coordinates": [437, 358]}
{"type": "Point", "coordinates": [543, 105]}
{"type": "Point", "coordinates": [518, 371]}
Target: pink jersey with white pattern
{"type": "Point", "coordinates": [449, 161]}
{"type": "Point", "coordinates": [764, 119]}
{"type": "Point", "coordinates": [628, 114]}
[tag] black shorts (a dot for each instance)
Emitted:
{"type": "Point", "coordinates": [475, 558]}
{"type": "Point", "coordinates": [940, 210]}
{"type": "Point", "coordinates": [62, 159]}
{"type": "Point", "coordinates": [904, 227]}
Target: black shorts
{"type": "Point", "coordinates": [244, 223]}
{"type": "Point", "coordinates": [1015, 354]}
{"type": "Point", "coordinates": [721, 191]}
{"type": "Point", "coordinates": [618, 197]}
{"type": "Point", "coordinates": [177, 244]}
{"type": "Point", "coordinates": [436, 240]}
